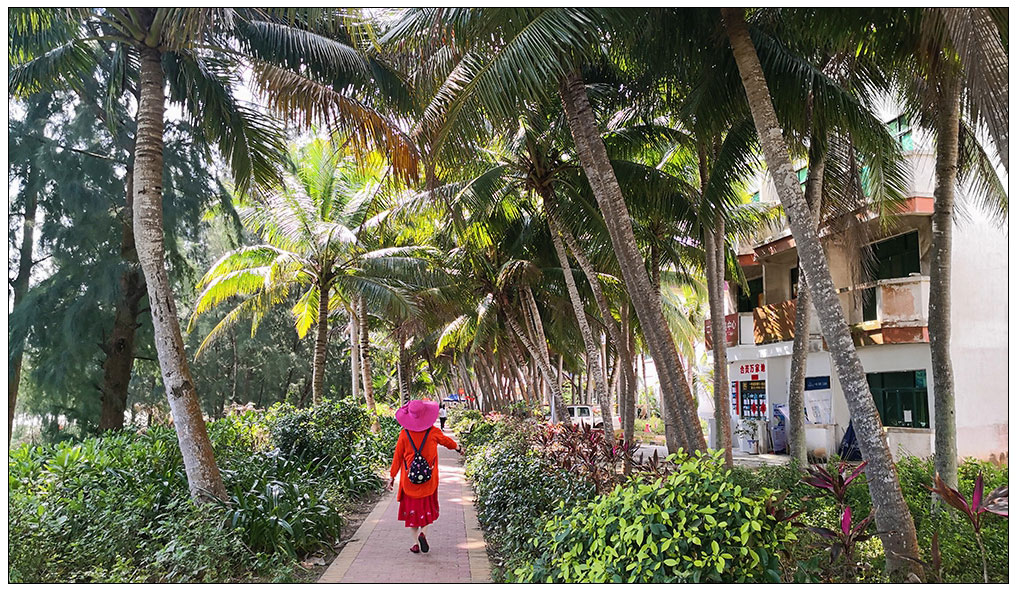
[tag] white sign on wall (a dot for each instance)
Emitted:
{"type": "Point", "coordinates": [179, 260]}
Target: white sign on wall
{"type": "Point", "coordinates": [818, 400]}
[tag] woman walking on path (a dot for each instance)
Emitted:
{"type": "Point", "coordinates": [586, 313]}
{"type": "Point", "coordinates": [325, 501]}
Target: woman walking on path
{"type": "Point", "coordinates": [443, 415]}
{"type": "Point", "coordinates": [416, 458]}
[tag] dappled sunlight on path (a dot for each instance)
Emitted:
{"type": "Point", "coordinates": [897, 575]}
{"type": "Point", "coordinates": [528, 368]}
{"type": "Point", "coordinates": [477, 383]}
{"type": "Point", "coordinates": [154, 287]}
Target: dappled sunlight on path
{"type": "Point", "coordinates": [379, 551]}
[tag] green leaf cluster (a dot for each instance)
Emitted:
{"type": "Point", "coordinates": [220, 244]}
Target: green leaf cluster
{"type": "Point", "coordinates": [694, 525]}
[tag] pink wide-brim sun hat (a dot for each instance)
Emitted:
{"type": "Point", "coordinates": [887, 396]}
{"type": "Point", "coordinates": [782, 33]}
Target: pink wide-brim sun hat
{"type": "Point", "coordinates": [417, 416]}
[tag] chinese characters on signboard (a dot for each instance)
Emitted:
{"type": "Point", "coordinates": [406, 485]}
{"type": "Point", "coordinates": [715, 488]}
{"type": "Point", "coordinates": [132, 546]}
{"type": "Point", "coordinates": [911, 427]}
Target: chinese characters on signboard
{"type": "Point", "coordinates": [749, 397]}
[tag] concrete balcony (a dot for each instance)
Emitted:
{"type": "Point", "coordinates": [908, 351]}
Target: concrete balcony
{"type": "Point", "coordinates": [901, 309]}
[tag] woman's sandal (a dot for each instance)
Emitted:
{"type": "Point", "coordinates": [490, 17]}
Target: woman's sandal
{"type": "Point", "coordinates": [423, 543]}
{"type": "Point", "coordinates": [415, 548]}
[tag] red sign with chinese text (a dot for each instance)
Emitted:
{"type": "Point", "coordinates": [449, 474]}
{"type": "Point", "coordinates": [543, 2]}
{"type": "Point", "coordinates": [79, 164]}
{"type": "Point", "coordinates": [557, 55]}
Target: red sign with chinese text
{"type": "Point", "coordinates": [731, 324]}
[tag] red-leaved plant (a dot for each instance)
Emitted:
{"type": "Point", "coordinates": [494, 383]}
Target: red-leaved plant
{"type": "Point", "coordinates": [849, 534]}
{"type": "Point", "coordinates": [996, 502]}
{"type": "Point", "coordinates": [836, 484]}
{"type": "Point", "coordinates": [844, 540]}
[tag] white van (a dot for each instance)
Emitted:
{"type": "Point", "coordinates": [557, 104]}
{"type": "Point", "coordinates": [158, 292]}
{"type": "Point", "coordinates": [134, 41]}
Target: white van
{"type": "Point", "coordinates": [590, 415]}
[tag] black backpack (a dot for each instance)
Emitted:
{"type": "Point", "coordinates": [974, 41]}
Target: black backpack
{"type": "Point", "coordinates": [419, 471]}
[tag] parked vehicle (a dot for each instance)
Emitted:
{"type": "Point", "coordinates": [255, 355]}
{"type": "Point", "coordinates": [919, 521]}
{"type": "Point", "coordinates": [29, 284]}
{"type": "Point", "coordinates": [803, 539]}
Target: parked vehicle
{"type": "Point", "coordinates": [589, 415]}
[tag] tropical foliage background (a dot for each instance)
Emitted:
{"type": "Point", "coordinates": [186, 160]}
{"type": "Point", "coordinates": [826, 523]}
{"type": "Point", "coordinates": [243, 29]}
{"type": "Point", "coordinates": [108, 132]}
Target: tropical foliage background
{"type": "Point", "coordinates": [279, 209]}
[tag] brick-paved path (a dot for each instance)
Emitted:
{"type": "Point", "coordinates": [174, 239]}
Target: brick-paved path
{"type": "Point", "coordinates": [379, 551]}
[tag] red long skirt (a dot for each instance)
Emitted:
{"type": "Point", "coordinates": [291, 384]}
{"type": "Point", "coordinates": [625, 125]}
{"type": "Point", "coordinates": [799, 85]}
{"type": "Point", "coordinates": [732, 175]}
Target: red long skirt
{"type": "Point", "coordinates": [418, 511]}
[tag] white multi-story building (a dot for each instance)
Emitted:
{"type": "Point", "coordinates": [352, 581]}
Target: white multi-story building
{"type": "Point", "coordinates": [887, 309]}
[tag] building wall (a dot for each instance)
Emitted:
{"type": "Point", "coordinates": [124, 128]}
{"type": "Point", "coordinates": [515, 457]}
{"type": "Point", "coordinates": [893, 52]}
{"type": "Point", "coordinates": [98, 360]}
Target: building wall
{"type": "Point", "coordinates": [980, 346]}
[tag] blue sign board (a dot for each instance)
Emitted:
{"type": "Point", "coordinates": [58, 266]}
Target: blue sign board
{"type": "Point", "coordinates": [816, 383]}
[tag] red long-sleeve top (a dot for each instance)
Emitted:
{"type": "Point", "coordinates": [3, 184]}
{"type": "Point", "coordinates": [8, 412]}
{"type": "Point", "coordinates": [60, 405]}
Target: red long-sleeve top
{"type": "Point", "coordinates": [404, 457]}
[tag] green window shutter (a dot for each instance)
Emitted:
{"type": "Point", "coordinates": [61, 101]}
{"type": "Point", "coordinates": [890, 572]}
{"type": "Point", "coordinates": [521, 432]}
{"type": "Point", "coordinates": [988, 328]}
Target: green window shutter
{"type": "Point", "coordinates": [899, 399]}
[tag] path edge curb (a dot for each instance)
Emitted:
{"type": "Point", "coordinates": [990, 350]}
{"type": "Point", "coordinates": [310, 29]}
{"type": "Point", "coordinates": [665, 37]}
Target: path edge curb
{"type": "Point", "coordinates": [479, 564]}
{"type": "Point", "coordinates": [340, 565]}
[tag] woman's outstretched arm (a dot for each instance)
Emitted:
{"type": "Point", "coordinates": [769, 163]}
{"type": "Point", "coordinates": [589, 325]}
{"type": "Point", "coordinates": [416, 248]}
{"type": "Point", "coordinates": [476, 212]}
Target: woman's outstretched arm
{"type": "Point", "coordinates": [445, 441]}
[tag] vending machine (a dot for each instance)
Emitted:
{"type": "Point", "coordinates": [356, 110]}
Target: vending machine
{"type": "Point", "coordinates": [749, 400]}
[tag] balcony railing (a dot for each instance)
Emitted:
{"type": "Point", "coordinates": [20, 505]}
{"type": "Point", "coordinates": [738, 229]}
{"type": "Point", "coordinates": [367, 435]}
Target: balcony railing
{"type": "Point", "coordinates": [901, 308]}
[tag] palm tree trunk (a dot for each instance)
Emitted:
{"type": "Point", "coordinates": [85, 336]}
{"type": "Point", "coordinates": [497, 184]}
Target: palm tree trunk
{"type": "Point", "coordinates": [629, 384]}
{"type": "Point", "coordinates": [718, 328]}
{"type": "Point", "coordinates": [321, 342]}
{"type": "Point", "coordinates": [939, 301]}
{"type": "Point", "coordinates": [595, 370]}
{"type": "Point", "coordinates": [368, 381]}
{"type": "Point", "coordinates": [402, 363]}
{"type": "Point", "coordinates": [20, 287]}
{"type": "Point", "coordinates": [199, 461]}
{"type": "Point", "coordinates": [891, 513]}
{"type": "Point", "coordinates": [354, 350]}
{"type": "Point", "coordinates": [542, 357]}
{"type": "Point", "coordinates": [681, 410]}
{"type": "Point", "coordinates": [799, 358]}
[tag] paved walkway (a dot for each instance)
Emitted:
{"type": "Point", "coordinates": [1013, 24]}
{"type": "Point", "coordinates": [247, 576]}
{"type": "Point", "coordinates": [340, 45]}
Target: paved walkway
{"type": "Point", "coordinates": [379, 551]}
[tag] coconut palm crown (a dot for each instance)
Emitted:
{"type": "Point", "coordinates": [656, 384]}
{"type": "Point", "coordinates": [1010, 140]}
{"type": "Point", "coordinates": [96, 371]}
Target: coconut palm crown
{"type": "Point", "coordinates": [315, 229]}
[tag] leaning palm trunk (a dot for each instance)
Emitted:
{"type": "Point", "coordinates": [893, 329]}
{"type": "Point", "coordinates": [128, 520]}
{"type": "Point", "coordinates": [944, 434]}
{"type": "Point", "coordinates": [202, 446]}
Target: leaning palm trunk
{"type": "Point", "coordinates": [368, 381]}
{"type": "Point", "coordinates": [320, 345]}
{"type": "Point", "coordinates": [542, 356]}
{"type": "Point", "coordinates": [899, 537]}
{"type": "Point", "coordinates": [802, 320]}
{"type": "Point", "coordinates": [596, 372]}
{"type": "Point", "coordinates": [680, 408]}
{"type": "Point", "coordinates": [623, 354]}
{"type": "Point", "coordinates": [199, 461]}
{"type": "Point", "coordinates": [939, 304]}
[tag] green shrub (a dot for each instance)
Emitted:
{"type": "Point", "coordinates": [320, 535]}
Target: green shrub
{"type": "Point", "coordinates": [457, 414]}
{"type": "Point", "coordinates": [515, 493]}
{"type": "Point", "coordinates": [328, 429]}
{"type": "Point", "coordinates": [961, 560]}
{"type": "Point", "coordinates": [693, 525]}
{"type": "Point", "coordinates": [282, 516]}
{"type": "Point", "coordinates": [117, 508]}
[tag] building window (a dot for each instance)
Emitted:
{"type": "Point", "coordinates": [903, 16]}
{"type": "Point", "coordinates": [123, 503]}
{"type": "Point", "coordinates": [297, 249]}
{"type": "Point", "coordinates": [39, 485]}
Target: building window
{"type": "Point", "coordinates": [901, 129]}
{"type": "Point", "coordinates": [755, 197]}
{"type": "Point", "coordinates": [901, 398]}
{"type": "Point", "coordinates": [750, 298]}
{"type": "Point", "coordinates": [896, 257]}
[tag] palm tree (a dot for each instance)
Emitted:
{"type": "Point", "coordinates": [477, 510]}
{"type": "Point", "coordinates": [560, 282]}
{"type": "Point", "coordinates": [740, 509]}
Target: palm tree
{"type": "Point", "coordinates": [552, 43]}
{"type": "Point", "coordinates": [953, 71]}
{"type": "Point", "coordinates": [309, 229]}
{"type": "Point", "coordinates": [195, 51]}
{"type": "Point", "coordinates": [891, 514]}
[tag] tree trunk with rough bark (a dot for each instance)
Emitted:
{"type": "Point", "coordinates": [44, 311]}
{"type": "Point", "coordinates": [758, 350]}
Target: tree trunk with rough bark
{"type": "Point", "coordinates": [119, 349]}
{"type": "Point", "coordinates": [365, 371]}
{"type": "Point", "coordinates": [402, 368]}
{"type": "Point", "coordinates": [203, 476]}
{"type": "Point", "coordinates": [354, 350]}
{"type": "Point", "coordinates": [681, 412]}
{"type": "Point", "coordinates": [321, 341]}
{"type": "Point", "coordinates": [718, 329]}
{"type": "Point", "coordinates": [20, 287]}
{"type": "Point", "coordinates": [892, 516]}
{"type": "Point", "coordinates": [596, 373]}
{"type": "Point", "coordinates": [939, 301]}
{"type": "Point", "coordinates": [797, 440]}
{"type": "Point", "coordinates": [542, 356]}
